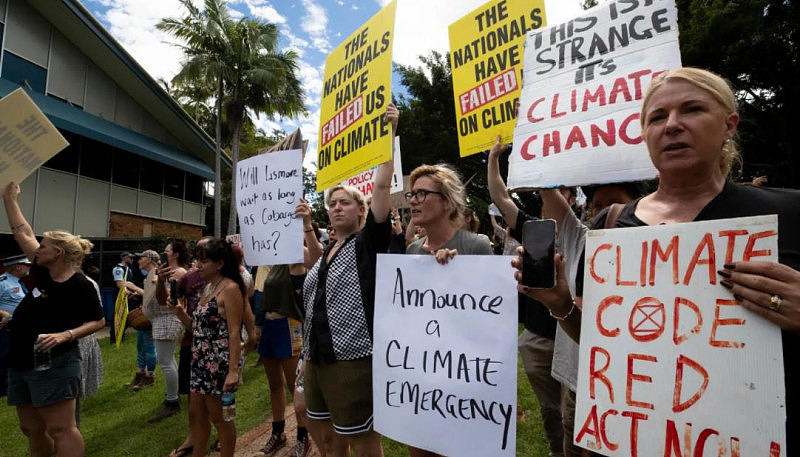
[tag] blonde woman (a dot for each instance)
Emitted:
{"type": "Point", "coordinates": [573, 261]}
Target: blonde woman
{"type": "Point", "coordinates": [60, 309]}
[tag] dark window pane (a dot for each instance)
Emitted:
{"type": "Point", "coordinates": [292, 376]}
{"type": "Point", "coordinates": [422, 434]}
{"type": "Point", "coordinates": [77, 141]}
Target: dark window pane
{"type": "Point", "coordinates": [173, 182]}
{"type": "Point", "coordinates": [126, 168]}
{"type": "Point", "coordinates": [19, 70]}
{"type": "Point", "coordinates": [67, 159]}
{"type": "Point", "coordinates": [152, 176]}
{"type": "Point", "coordinates": [96, 159]}
{"type": "Point", "coordinates": [194, 188]}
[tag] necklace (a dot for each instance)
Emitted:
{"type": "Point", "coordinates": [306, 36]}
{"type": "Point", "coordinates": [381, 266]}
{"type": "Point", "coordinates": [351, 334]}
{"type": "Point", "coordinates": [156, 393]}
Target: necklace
{"type": "Point", "coordinates": [213, 287]}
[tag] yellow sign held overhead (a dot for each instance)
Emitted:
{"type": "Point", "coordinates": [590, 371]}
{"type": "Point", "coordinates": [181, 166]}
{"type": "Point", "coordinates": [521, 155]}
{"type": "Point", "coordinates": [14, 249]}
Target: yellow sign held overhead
{"type": "Point", "coordinates": [353, 135]}
{"type": "Point", "coordinates": [486, 50]}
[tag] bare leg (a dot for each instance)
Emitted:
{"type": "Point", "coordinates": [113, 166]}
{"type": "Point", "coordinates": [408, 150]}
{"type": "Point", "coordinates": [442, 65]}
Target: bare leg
{"type": "Point", "coordinates": [329, 443]}
{"type": "Point", "coordinates": [277, 395]}
{"type": "Point", "coordinates": [226, 431]}
{"type": "Point", "coordinates": [199, 427]}
{"type": "Point", "coordinates": [59, 418]}
{"type": "Point", "coordinates": [367, 444]}
{"type": "Point", "coordinates": [414, 452]}
{"type": "Point", "coordinates": [32, 425]}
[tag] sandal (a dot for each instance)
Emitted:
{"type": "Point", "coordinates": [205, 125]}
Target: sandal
{"type": "Point", "coordinates": [182, 452]}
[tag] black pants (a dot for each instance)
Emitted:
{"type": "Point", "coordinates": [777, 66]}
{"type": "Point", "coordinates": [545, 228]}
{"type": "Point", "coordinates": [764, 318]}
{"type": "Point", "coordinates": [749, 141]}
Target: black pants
{"type": "Point", "coordinates": [184, 369]}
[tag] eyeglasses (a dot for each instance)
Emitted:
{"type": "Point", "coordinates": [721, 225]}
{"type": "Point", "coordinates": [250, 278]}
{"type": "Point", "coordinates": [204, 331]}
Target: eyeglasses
{"type": "Point", "coordinates": [420, 194]}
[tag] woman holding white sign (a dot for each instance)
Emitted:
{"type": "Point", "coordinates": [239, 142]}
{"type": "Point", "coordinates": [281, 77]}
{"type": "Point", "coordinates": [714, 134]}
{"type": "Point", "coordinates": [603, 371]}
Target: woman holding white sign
{"type": "Point", "coordinates": [339, 296]}
{"type": "Point", "coordinates": [689, 122]}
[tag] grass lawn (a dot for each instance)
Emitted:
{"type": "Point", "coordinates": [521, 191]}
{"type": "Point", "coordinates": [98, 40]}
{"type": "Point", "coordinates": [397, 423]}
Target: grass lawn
{"type": "Point", "coordinates": [114, 421]}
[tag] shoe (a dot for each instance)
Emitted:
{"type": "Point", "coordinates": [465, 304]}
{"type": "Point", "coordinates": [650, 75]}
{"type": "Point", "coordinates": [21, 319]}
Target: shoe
{"type": "Point", "coordinates": [147, 381]}
{"type": "Point", "coordinates": [169, 408]}
{"type": "Point", "coordinates": [275, 442]}
{"type": "Point", "coordinates": [302, 448]}
{"type": "Point", "coordinates": [137, 378]}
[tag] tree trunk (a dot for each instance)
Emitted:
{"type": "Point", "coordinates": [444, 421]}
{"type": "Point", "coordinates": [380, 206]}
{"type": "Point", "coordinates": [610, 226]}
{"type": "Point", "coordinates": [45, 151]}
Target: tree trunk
{"type": "Point", "coordinates": [218, 164]}
{"type": "Point", "coordinates": [232, 219]}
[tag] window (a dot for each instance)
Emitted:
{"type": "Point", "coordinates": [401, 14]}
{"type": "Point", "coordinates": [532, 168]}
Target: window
{"type": "Point", "coordinates": [152, 176]}
{"type": "Point", "coordinates": [126, 169]}
{"type": "Point", "coordinates": [173, 182]}
{"type": "Point", "coordinates": [194, 188]}
{"type": "Point", "coordinates": [19, 70]}
{"type": "Point", "coordinates": [67, 159]}
{"type": "Point", "coordinates": [96, 159]}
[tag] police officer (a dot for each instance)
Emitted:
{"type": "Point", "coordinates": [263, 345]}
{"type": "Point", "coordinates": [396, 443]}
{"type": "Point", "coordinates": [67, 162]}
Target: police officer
{"type": "Point", "coordinates": [12, 291]}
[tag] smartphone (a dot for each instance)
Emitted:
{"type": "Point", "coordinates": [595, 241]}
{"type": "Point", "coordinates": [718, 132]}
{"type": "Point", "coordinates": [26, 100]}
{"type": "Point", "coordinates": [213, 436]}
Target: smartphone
{"type": "Point", "coordinates": [162, 258]}
{"type": "Point", "coordinates": [538, 262]}
{"type": "Point", "coordinates": [173, 292]}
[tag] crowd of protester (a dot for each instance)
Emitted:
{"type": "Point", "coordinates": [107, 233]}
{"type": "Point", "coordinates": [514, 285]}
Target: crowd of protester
{"type": "Point", "coordinates": [311, 322]}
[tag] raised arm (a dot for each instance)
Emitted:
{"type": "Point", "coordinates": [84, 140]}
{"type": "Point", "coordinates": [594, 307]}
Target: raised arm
{"type": "Point", "coordinates": [497, 187]}
{"type": "Point", "coordinates": [23, 233]}
{"type": "Point", "coordinates": [555, 206]}
{"type": "Point", "coordinates": [383, 175]}
{"type": "Point", "coordinates": [312, 249]}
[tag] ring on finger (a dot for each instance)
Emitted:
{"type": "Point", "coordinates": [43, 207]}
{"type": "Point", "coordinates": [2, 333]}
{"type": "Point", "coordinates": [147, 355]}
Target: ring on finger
{"type": "Point", "coordinates": [775, 303]}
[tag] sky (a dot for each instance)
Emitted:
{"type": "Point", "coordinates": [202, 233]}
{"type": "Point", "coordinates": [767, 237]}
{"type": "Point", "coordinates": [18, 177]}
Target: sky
{"type": "Point", "coordinates": [310, 27]}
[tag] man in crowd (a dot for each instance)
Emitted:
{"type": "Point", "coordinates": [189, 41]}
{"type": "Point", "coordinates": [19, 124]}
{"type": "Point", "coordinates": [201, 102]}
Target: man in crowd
{"type": "Point", "coordinates": [12, 291]}
{"type": "Point", "coordinates": [145, 348]}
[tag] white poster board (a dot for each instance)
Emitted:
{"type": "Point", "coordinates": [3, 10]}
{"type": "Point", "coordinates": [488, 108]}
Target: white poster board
{"type": "Point", "coordinates": [365, 181]}
{"type": "Point", "coordinates": [445, 353]}
{"type": "Point", "coordinates": [583, 84]}
{"type": "Point", "coordinates": [269, 187]}
{"type": "Point", "coordinates": [665, 345]}
{"type": "Point", "coordinates": [27, 138]}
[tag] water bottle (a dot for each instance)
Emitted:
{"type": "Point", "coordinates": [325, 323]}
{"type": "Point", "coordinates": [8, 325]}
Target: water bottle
{"type": "Point", "coordinates": [300, 388]}
{"type": "Point", "coordinates": [41, 359]}
{"type": "Point", "coordinates": [228, 406]}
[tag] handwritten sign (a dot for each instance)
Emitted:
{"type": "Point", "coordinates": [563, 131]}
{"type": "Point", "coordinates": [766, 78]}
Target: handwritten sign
{"type": "Point", "coordinates": [670, 364]}
{"type": "Point", "coordinates": [27, 138]}
{"type": "Point", "coordinates": [445, 354]}
{"type": "Point", "coordinates": [353, 134]}
{"type": "Point", "coordinates": [486, 49]}
{"type": "Point", "coordinates": [269, 188]}
{"type": "Point", "coordinates": [365, 181]}
{"type": "Point", "coordinates": [583, 87]}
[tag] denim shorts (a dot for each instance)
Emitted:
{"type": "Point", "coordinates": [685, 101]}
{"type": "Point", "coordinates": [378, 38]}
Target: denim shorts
{"type": "Point", "coordinates": [42, 388]}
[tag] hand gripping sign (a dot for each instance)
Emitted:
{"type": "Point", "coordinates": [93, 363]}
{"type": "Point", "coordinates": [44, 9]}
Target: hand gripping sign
{"type": "Point", "coordinates": [354, 135]}
{"type": "Point", "coordinates": [670, 364]}
{"type": "Point", "coordinates": [583, 85]}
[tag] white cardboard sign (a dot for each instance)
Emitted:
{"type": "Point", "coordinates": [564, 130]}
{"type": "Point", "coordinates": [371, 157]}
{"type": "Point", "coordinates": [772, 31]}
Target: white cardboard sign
{"type": "Point", "coordinates": [583, 83]}
{"type": "Point", "coordinates": [445, 353]}
{"type": "Point", "coordinates": [269, 187]}
{"type": "Point", "coordinates": [365, 181]}
{"type": "Point", "coordinates": [670, 364]}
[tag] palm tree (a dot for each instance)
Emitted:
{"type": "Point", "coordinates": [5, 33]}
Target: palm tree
{"type": "Point", "coordinates": [261, 79]}
{"type": "Point", "coordinates": [205, 47]}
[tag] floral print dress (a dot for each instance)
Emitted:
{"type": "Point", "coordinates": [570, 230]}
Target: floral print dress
{"type": "Point", "coordinates": [210, 351]}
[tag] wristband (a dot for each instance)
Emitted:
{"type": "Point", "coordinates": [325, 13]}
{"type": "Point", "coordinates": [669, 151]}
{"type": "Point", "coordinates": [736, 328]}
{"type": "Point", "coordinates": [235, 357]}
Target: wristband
{"type": "Point", "coordinates": [565, 316]}
{"type": "Point", "coordinates": [309, 230]}
{"type": "Point", "coordinates": [71, 335]}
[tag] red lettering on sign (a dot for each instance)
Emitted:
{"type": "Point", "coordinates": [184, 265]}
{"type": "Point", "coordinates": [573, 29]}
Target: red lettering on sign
{"type": "Point", "coordinates": [590, 427]}
{"type": "Point", "coordinates": [749, 250]}
{"type": "Point", "coordinates": [672, 442]}
{"type": "Point", "coordinates": [647, 318]}
{"type": "Point", "coordinates": [635, 418]}
{"type": "Point", "coordinates": [637, 377]}
{"type": "Point", "coordinates": [531, 118]}
{"type": "Point", "coordinates": [657, 252]}
{"type": "Point", "coordinates": [342, 120]}
{"type": "Point", "coordinates": [611, 446]}
{"type": "Point", "coordinates": [711, 260]}
{"type": "Point", "coordinates": [643, 265]}
{"type": "Point", "coordinates": [523, 151]}
{"type": "Point", "coordinates": [608, 301]}
{"type": "Point", "coordinates": [701, 442]}
{"type": "Point", "coordinates": [622, 282]}
{"type": "Point", "coordinates": [731, 235]}
{"type": "Point", "coordinates": [598, 374]}
{"type": "Point", "coordinates": [602, 247]}
{"type": "Point", "coordinates": [676, 317]}
{"type": "Point", "coordinates": [487, 91]}
{"type": "Point", "coordinates": [677, 404]}
{"type": "Point", "coordinates": [712, 340]}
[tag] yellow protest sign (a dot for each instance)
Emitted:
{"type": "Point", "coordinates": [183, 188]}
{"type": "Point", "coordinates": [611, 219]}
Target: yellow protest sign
{"type": "Point", "coordinates": [27, 138]}
{"type": "Point", "coordinates": [353, 134]}
{"type": "Point", "coordinates": [486, 50]}
{"type": "Point", "coordinates": [120, 315]}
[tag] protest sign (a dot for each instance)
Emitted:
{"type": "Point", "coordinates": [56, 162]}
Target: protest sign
{"type": "Point", "coordinates": [365, 181]}
{"type": "Point", "coordinates": [236, 239]}
{"type": "Point", "coordinates": [670, 363]}
{"type": "Point", "coordinates": [27, 138]}
{"type": "Point", "coordinates": [269, 187]}
{"type": "Point", "coordinates": [445, 353]}
{"type": "Point", "coordinates": [354, 134]}
{"type": "Point", "coordinates": [486, 49]}
{"type": "Point", "coordinates": [583, 86]}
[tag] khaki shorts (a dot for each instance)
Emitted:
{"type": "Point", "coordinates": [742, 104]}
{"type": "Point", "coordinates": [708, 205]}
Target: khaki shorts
{"type": "Point", "coordinates": [342, 393]}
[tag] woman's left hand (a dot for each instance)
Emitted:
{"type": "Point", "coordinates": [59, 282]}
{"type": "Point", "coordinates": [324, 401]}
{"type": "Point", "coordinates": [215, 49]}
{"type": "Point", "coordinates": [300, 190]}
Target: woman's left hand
{"type": "Point", "coordinates": [769, 289]}
{"type": "Point", "coordinates": [47, 341]}
{"type": "Point", "coordinates": [231, 381]}
{"type": "Point", "coordinates": [302, 210]}
{"type": "Point", "coordinates": [444, 255]}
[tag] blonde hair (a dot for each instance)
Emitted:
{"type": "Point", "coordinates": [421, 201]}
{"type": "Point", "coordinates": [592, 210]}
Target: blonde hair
{"type": "Point", "coordinates": [451, 186]}
{"type": "Point", "coordinates": [354, 193]}
{"type": "Point", "coordinates": [720, 91]}
{"type": "Point", "coordinates": [74, 247]}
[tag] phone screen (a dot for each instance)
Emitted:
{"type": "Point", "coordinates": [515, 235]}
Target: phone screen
{"type": "Point", "coordinates": [163, 258]}
{"type": "Point", "coordinates": [173, 291]}
{"type": "Point", "coordinates": [538, 263]}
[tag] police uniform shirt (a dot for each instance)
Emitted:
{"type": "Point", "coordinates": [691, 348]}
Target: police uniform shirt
{"type": "Point", "coordinates": [120, 272]}
{"type": "Point", "coordinates": [12, 291]}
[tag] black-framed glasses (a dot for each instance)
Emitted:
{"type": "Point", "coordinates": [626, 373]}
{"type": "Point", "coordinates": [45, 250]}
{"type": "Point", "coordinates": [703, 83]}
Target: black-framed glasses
{"type": "Point", "coordinates": [420, 194]}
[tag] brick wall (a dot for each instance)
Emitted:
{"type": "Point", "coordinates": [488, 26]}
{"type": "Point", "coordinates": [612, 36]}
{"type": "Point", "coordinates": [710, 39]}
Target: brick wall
{"type": "Point", "coordinates": [130, 226]}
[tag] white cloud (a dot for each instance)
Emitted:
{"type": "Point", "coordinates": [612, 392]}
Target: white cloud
{"type": "Point", "coordinates": [315, 24]}
{"type": "Point", "coordinates": [263, 9]}
{"type": "Point", "coordinates": [340, 2]}
{"type": "Point", "coordinates": [296, 43]}
{"type": "Point", "coordinates": [354, 7]}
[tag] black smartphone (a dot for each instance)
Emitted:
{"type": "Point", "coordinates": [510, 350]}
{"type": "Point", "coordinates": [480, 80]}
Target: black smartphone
{"type": "Point", "coordinates": [538, 262]}
{"type": "Point", "coordinates": [173, 292]}
{"type": "Point", "coordinates": [162, 258]}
